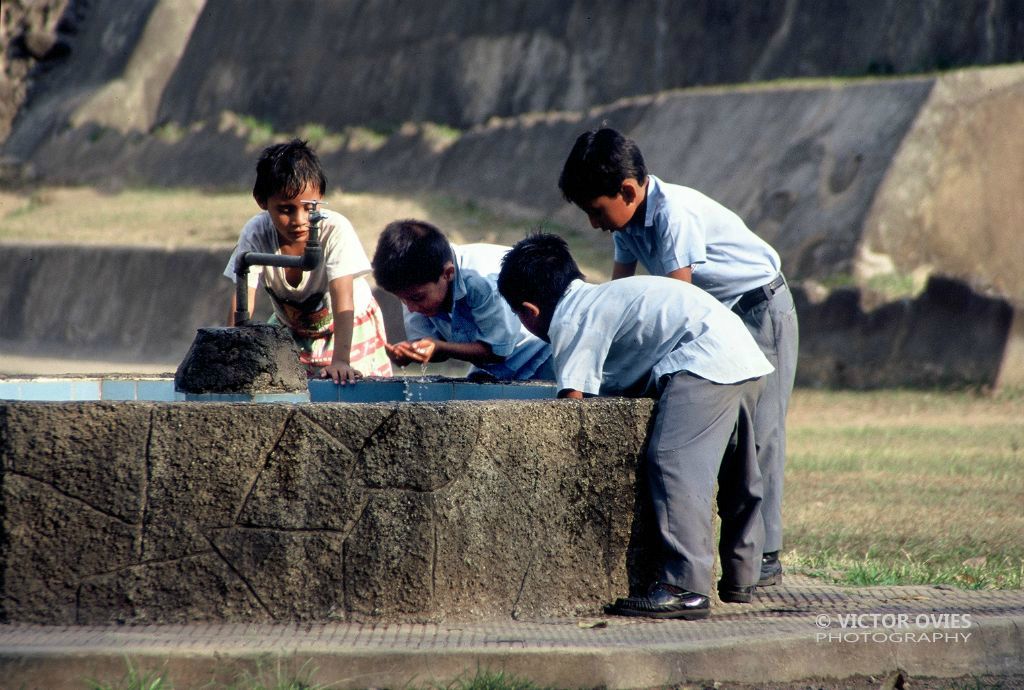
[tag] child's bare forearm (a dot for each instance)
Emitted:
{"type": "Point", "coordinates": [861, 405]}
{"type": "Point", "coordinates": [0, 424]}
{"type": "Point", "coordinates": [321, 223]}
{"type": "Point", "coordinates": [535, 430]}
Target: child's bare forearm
{"type": "Point", "coordinates": [342, 336]}
{"type": "Point", "coordinates": [477, 352]}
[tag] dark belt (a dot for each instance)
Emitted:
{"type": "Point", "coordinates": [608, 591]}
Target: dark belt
{"type": "Point", "coordinates": [754, 297]}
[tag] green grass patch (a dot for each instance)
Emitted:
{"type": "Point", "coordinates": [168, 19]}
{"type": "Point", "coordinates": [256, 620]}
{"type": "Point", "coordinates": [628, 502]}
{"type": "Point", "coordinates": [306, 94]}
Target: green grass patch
{"type": "Point", "coordinates": [902, 487]}
{"type": "Point", "coordinates": [133, 679]}
{"type": "Point", "coordinates": [888, 286]}
{"type": "Point", "coordinates": [261, 132]}
{"type": "Point", "coordinates": [320, 138]}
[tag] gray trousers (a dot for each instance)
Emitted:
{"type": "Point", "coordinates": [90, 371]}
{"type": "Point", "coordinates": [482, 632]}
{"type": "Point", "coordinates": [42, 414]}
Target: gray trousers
{"type": "Point", "coordinates": [704, 431]}
{"type": "Point", "coordinates": [774, 326]}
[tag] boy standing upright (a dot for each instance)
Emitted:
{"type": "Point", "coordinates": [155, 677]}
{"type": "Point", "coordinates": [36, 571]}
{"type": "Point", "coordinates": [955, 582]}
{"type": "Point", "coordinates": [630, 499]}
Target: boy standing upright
{"type": "Point", "coordinates": [678, 232]}
{"type": "Point", "coordinates": [647, 335]}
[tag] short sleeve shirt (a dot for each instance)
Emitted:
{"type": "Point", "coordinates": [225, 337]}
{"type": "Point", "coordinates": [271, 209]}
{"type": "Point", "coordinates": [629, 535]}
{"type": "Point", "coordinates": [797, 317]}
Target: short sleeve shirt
{"type": "Point", "coordinates": [682, 227]}
{"type": "Point", "coordinates": [343, 256]}
{"type": "Point", "coordinates": [479, 313]}
{"type": "Point", "coordinates": [621, 337]}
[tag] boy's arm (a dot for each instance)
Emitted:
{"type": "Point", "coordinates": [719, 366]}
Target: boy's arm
{"type": "Point", "coordinates": [437, 350]}
{"type": "Point", "coordinates": [497, 328]}
{"type": "Point", "coordinates": [340, 370]}
{"type": "Point", "coordinates": [623, 270]}
{"type": "Point", "coordinates": [476, 352]}
{"type": "Point", "coordinates": [684, 274]}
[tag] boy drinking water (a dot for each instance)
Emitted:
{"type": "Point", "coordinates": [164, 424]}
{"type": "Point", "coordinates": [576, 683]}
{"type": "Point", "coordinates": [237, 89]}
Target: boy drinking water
{"type": "Point", "coordinates": [451, 304]}
{"type": "Point", "coordinates": [680, 233]}
{"type": "Point", "coordinates": [330, 311]}
{"type": "Point", "coordinates": [650, 335]}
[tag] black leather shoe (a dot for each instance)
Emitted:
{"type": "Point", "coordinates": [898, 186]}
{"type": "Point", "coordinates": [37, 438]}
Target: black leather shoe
{"type": "Point", "coordinates": [771, 570]}
{"type": "Point", "coordinates": [663, 601]}
{"type": "Point", "coordinates": [736, 594]}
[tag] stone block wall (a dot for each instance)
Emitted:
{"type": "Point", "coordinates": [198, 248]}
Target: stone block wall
{"type": "Point", "coordinates": [164, 513]}
{"type": "Point", "coordinates": [949, 336]}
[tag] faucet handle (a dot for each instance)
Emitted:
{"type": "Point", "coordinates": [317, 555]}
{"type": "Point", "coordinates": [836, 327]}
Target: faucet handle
{"type": "Point", "coordinates": [314, 212]}
{"type": "Point", "coordinates": [313, 203]}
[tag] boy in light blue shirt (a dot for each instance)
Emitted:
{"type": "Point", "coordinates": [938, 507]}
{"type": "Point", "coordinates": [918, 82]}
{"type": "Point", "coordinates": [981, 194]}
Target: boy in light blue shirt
{"type": "Point", "coordinates": [650, 335]}
{"type": "Point", "coordinates": [451, 304]}
{"type": "Point", "coordinates": [678, 232]}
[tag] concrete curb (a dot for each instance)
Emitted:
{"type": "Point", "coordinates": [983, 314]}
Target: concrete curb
{"type": "Point", "coordinates": [800, 631]}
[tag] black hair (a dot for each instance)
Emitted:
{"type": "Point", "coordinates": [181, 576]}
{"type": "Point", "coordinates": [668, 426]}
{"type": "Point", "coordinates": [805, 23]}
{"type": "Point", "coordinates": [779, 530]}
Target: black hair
{"type": "Point", "coordinates": [538, 269]}
{"type": "Point", "coordinates": [410, 253]}
{"type": "Point", "coordinates": [600, 161]}
{"type": "Point", "coordinates": [286, 169]}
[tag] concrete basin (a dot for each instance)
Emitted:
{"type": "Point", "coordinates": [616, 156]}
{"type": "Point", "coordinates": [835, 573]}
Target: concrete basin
{"type": "Point", "coordinates": [177, 511]}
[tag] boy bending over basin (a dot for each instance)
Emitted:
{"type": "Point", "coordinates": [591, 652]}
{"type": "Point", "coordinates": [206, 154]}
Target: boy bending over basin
{"type": "Point", "coordinates": [451, 304]}
{"type": "Point", "coordinates": [680, 233]}
{"type": "Point", "coordinates": [656, 336]}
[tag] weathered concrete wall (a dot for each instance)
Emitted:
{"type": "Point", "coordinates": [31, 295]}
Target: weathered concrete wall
{"type": "Point", "coordinates": [121, 303]}
{"type": "Point", "coordinates": [948, 336]}
{"type": "Point", "coordinates": [110, 63]}
{"type": "Point", "coordinates": [855, 179]}
{"type": "Point", "coordinates": [133, 303]}
{"type": "Point", "coordinates": [462, 63]}
{"type": "Point", "coordinates": [379, 64]}
{"type": "Point", "coordinates": [142, 512]}
{"type": "Point", "coordinates": [801, 164]}
{"type": "Point", "coordinates": [951, 200]}
{"type": "Point", "coordinates": [33, 36]}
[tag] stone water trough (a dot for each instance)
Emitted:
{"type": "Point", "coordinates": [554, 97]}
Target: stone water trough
{"type": "Point", "coordinates": [174, 510]}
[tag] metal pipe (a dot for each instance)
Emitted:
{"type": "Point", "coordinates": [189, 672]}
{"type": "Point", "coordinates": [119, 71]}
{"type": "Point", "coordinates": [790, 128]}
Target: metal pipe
{"type": "Point", "coordinates": [307, 261]}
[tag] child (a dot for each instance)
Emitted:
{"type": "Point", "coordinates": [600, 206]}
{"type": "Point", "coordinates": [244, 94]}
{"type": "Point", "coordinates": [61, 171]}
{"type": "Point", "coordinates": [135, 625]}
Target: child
{"type": "Point", "coordinates": [646, 335]}
{"type": "Point", "coordinates": [451, 304]}
{"type": "Point", "coordinates": [330, 310]}
{"type": "Point", "coordinates": [678, 232]}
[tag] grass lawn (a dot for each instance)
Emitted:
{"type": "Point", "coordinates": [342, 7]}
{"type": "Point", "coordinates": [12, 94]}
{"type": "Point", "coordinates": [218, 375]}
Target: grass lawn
{"type": "Point", "coordinates": [901, 487]}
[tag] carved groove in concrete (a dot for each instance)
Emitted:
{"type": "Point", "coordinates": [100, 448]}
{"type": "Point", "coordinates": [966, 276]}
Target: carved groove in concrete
{"type": "Point", "coordinates": [156, 512]}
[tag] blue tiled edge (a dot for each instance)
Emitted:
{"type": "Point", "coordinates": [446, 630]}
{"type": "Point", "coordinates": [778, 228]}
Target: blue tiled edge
{"type": "Point", "coordinates": [156, 390]}
{"type": "Point", "coordinates": [118, 389]}
{"type": "Point", "coordinates": [10, 390]}
{"type": "Point", "coordinates": [433, 391]}
{"type": "Point", "coordinates": [85, 389]}
{"type": "Point", "coordinates": [319, 390]}
{"type": "Point", "coordinates": [46, 390]}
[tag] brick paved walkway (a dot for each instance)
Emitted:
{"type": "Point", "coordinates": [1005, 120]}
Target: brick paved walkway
{"type": "Point", "coordinates": [802, 629]}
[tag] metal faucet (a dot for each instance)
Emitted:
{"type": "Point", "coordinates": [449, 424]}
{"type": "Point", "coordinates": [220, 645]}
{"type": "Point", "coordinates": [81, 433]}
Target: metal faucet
{"type": "Point", "coordinates": [310, 259]}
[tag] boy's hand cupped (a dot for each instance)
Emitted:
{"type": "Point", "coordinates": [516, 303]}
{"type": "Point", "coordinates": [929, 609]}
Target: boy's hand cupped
{"type": "Point", "coordinates": [422, 350]}
{"type": "Point", "coordinates": [406, 352]}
